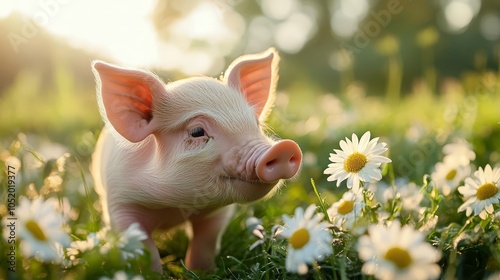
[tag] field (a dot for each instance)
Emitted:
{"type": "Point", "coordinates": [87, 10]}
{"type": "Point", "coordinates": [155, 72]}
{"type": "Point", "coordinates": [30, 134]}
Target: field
{"type": "Point", "coordinates": [394, 103]}
{"type": "Point", "coordinates": [47, 173]}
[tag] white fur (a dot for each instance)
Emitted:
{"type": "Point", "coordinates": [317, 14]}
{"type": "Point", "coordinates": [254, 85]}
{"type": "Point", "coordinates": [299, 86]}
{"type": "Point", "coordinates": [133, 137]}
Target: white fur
{"type": "Point", "coordinates": [174, 173]}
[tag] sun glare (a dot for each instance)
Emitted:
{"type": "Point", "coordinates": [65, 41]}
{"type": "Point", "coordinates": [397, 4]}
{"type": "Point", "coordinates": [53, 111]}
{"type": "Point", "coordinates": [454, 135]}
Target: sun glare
{"type": "Point", "coordinates": [203, 22]}
{"type": "Point", "coordinates": [122, 32]}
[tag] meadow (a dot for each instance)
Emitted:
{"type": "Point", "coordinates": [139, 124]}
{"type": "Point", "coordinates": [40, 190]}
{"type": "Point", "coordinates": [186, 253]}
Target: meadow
{"type": "Point", "coordinates": [395, 105]}
{"type": "Point", "coordinates": [440, 143]}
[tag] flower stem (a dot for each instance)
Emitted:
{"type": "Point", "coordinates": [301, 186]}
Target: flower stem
{"type": "Point", "coordinates": [321, 200]}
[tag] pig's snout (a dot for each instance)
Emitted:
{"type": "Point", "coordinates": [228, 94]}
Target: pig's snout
{"type": "Point", "coordinates": [281, 161]}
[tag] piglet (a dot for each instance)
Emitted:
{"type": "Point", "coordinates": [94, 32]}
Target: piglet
{"type": "Point", "coordinates": [188, 150]}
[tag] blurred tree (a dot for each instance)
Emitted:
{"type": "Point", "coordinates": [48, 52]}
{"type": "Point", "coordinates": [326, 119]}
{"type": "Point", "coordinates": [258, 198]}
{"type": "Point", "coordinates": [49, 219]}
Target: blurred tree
{"type": "Point", "coordinates": [311, 34]}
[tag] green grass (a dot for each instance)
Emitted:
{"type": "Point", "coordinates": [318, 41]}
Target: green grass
{"type": "Point", "coordinates": [415, 129]}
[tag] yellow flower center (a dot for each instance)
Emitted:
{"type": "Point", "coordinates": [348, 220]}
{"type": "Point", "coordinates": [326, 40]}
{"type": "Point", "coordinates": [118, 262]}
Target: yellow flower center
{"type": "Point", "coordinates": [355, 162]}
{"type": "Point", "coordinates": [486, 191]}
{"type": "Point", "coordinates": [299, 238]}
{"type": "Point", "coordinates": [35, 229]}
{"type": "Point", "coordinates": [346, 207]}
{"type": "Point", "coordinates": [400, 257]}
{"type": "Point", "coordinates": [451, 174]}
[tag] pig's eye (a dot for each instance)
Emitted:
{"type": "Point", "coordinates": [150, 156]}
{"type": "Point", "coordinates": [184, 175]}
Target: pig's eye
{"type": "Point", "coordinates": [197, 132]}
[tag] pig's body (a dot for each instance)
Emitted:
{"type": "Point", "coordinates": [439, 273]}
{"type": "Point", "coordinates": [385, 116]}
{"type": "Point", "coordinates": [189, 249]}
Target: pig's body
{"type": "Point", "coordinates": [130, 203]}
{"type": "Point", "coordinates": [187, 150]}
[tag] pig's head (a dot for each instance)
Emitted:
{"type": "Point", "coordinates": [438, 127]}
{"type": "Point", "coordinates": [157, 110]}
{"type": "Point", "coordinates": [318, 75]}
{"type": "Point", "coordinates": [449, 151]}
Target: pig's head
{"type": "Point", "coordinates": [200, 140]}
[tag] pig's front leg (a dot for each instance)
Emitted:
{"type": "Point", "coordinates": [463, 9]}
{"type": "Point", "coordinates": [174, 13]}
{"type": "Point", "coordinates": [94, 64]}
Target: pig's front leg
{"type": "Point", "coordinates": [155, 255]}
{"type": "Point", "coordinates": [122, 216]}
{"type": "Point", "coordinates": [207, 233]}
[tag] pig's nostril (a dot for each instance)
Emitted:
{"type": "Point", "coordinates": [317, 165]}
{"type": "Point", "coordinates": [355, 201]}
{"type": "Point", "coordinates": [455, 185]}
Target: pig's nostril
{"type": "Point", "coordinates": [295, 160]}
{"type": "Point", "coordinates": [270, 163]}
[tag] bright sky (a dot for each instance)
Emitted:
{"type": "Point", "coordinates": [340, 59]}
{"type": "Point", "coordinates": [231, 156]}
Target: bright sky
{"type": "Point", "coordinates": [121, 30]}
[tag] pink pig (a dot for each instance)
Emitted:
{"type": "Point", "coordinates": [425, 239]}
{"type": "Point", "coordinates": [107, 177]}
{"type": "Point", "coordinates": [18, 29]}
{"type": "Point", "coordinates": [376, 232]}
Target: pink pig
{"type": "Point", "coordinates": [188, 150]}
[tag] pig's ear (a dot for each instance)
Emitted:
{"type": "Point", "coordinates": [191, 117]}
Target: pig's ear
{"type": "Point", "coordinates": [125, 99]}
{"type": "Point", "coordinates": [255, 76]}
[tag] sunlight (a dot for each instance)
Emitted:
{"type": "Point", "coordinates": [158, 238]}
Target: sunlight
{"type": "Point", "coordinates": [343, 25]}
{"type": "Point", "coordinates": [7, 7]}
{"type": "Point", "coordinates": [459, 13]}
{"type": "Point", "coordinates": [204, 22]}
{"type": "Point", "coordinates": [198, 42]}
{"type": "Point", "coordinates": [292, 34]}
{"type": "Point", "coordinates": [260, 32]}
{"type": "Point", "coordinates": [278, 9]}
{"type": "Point", "coordinates": [124, 33]}
{"type": "Point", "coordinates": [354, 8]}
{"type": "Point", "coordinates": [346, 15]}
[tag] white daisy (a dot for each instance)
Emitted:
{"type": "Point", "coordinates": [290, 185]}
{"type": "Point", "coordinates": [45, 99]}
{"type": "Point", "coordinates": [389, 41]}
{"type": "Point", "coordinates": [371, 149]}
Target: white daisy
{"type": "Point", "coordinates": [397, 252]}
{"type": "Point", "coordinates": [357, 161]}
{"type": "Point", "coordinates": [40, 229]}
{"type": "Point", "coordinates": [382, 191]}
{"type": "Point", "coordinates": [308, 239]}
{"type": "Point", "coordinates": [254, 225]}
{"type": "Point", "coordinates": [481, 191]}
{"type": "Point", "coordinates": [430, 223]}
{"type": "Point", "coordinates": [410, 195]}
{"type": "Point", "coordinates": [347, 210]}
{"type": "Point", "coordinates": [460, 152]}
{"type": "Point", "coordinates": [449, 174]}
{"type": "Point", "coordinates": [130, 241]}
{"type": "Point", "coordinates": [82, 246]}
{"type": "Point", "coordinates": [121, 275]}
